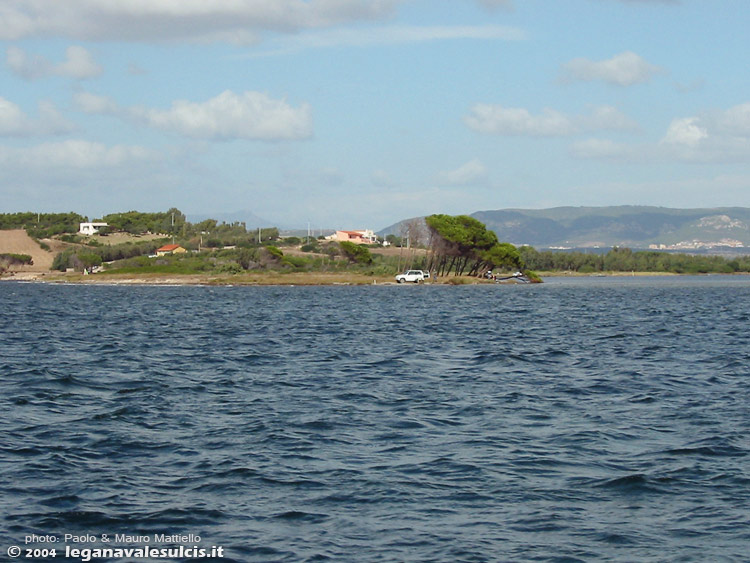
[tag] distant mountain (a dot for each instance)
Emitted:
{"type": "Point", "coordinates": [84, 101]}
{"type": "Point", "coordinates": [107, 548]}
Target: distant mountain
{"type": "Point", "coordinates": [251, 220]}
{"type": "Point", "coordinates": [631, 226]}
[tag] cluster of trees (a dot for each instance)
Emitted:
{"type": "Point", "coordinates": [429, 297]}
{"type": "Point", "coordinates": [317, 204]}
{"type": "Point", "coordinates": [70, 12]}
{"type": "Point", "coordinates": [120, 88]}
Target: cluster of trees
{"type": "Point", "coordinates": [135, 257]}
{"type": "Point", "coordinates": [209, 233]}
{"type": "Point", "coordinates": [42, 225]}
{"type": "Point", "coordinates": [463, 245]}
{"type": "Point", "coordinates": [627, 260]}
{"type": "Point", "coordinates": [136, 222]}
{"type": "Point", "coordinates": [80, 257]}
{"type": "Point", "coordinates": [356, 253]}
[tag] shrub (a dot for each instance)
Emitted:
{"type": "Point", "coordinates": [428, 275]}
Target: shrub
{"type": "Point", "coordinates": [356, 253]}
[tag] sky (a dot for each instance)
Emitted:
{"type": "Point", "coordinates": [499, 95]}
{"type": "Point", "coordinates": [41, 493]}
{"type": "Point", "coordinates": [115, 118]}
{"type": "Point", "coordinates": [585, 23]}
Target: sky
{"type": "Point", "coordinates": [357, 114]}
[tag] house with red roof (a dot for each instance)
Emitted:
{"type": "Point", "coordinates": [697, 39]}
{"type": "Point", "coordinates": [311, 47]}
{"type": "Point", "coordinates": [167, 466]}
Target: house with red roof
{"type": "Point", "coordinates": [170, 249]}
{"type": "Point", "coordinates": [365, 236]}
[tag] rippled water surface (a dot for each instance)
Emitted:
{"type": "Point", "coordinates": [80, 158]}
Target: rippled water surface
{"type": "Point", "coordinates": [591, 419]}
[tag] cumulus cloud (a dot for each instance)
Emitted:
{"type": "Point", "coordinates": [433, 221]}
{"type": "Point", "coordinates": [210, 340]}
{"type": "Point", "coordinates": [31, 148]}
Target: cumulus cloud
{"type": "Point", "coordinates": [239, 21]}
{"type": "Point", "coordinates": [15, 123]}
{"type": "Point", "coordinates": [249, 115]}
{"type": "Point", "coordinates": [685, 131]}
{"type": "Point", "coordinates": [500, 120]}
{"type": "Point", "coordinates": [487, 118]}
{"type": "Point", "coordinates": [472, 172]}
{"type": "Point", "coordinates": [625, 69]}
{"type": "Point", "coordinates": [78, 63]}
{"type": "Point", "coordinates": [73, 154]}
{"type": "Point", "coordinates": [713, 137]}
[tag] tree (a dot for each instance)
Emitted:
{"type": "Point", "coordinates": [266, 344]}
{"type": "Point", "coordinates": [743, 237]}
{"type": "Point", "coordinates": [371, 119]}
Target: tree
{"type": "Point", "coordinates": [462, 244]}
{"type": "Point", "coordinates": [356, 253]}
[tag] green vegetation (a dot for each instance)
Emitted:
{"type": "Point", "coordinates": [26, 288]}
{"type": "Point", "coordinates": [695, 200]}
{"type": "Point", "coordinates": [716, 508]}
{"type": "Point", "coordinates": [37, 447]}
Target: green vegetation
{"type": "Point", "coordinates": [42, 225]}
{"type": "Point", "coordinates": [205, 234]}
{"type": "Point", "coordinates": [138, 258]}
{"type": "Point", "coordinates": [136, 223]}
{"type": "Point", "coordinates": [80, 257]}
{"type": "Point", "coordinates": [356, 253]}
{"type": "Point", "coordinates": [458, 246]}
{"type": "Point", "coordinates": [9, 259]}
{"type": "Point", "coordinates": [626, 260]}
{"type": "Point", "coordinates": [461, 244]}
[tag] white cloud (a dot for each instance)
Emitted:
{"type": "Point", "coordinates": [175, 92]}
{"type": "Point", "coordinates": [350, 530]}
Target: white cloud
{"type": "Point", "coordinates": [472, 172]}
{"type": "Point", "coordinates": [487, 118]}
{"type": "Point", "coordinates": [685, 131]}
{"type": "Point", "coordinates": [15, 123]}
{"type": "Point", "coordinates": [249, 115]}
{"type": "Point", "coordinates": [718, 137]}
{"type": "Point", "coordinates": [608, 117]}
{"type": "Point", "coordinates": [500, 120]}
{"type": "Point", "coordinates": [78, 63]}
{"type": "Point", "coordinates": [92, 103]}
{"type": "Point", "coordinates": [625, 69]}
{"type": "Point", "coordinates": [736, 120]}
{"type": "Point", "coordinates": [12, 120]}
{"type": "Point", "coordinates": [389, 35]}
{"type": "Point", "coordinates": [73, 154]}
{"type": "Point", "coordinates": [139, 20]}
{"type": "Point", "coordinates": [28, 67]}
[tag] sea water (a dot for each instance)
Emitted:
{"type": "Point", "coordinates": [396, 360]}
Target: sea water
{"type": "Point", "coordinates": [594, 419]}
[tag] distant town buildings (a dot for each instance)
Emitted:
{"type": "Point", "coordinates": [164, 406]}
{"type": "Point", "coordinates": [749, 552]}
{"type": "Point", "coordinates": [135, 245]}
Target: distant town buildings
{"type": "Point", "coordinates": [697, 245]}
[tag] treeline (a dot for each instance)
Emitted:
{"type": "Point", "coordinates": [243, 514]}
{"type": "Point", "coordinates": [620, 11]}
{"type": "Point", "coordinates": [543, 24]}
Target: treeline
{"type": "Point", "coordinates": [327, 257]}
{"type": "Point", "coordinates": [245, 256]}
{"type": "Point", "coordinates": [173, 222]}
{"type": "Point", "coordinates": [627, 260]}
{"type": "Point", "coordinates": [463, 245]}
{"type": "Point", "coordinates": [80, 257]}
{"type": "Point", "coordinates": [42, 225]}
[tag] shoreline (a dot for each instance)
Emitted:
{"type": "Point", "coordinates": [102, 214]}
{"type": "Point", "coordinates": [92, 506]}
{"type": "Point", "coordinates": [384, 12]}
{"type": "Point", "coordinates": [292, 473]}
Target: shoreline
{"type": "Point", "coordinates": [255, 279]}
{"type": "Point", "coordinates": [286, 279]}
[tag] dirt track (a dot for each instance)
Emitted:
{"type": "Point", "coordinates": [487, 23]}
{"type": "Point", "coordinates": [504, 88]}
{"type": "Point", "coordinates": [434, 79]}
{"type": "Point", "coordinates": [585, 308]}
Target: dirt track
{"type": "Point", "coordinates": [18, 241]}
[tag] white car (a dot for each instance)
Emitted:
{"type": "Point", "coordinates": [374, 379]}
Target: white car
{"type": "Point", "coordinates": [415, 276]}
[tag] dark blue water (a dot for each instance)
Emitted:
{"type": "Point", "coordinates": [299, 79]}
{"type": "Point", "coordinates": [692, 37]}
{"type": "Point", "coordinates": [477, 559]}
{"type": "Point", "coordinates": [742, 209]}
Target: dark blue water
{"type": "Point", "coordinates": [579, 420]}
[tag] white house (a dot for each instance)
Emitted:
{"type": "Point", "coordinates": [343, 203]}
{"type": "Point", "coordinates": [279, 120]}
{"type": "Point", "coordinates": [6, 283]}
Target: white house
{"type": "Point", "coordinates": [90, 228]}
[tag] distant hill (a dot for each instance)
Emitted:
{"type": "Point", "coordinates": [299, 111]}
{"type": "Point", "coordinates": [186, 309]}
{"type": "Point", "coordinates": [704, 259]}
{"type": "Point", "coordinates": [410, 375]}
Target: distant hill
{"type": "Point", "coordinates": [631, 226]}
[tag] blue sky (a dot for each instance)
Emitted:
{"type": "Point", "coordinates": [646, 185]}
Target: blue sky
{"type": "Point", "coordinates": [357, 114]}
